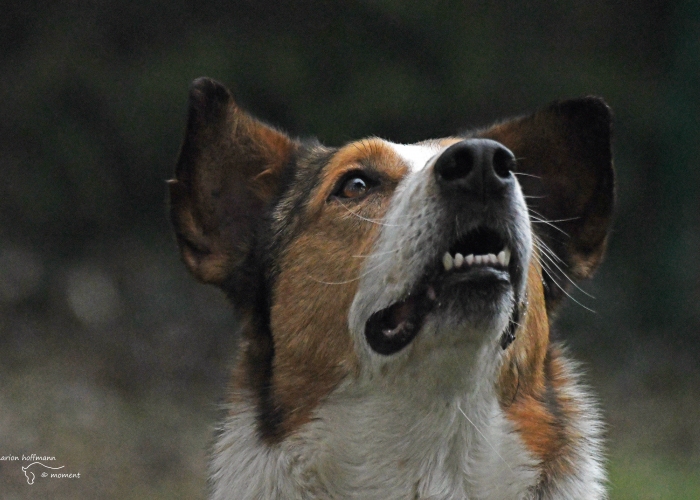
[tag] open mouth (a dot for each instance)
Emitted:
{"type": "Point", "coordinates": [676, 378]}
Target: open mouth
{"type": "Point", "coordinates": [481, 247]}
{"type": "Point", "coordinates": [479, 259]}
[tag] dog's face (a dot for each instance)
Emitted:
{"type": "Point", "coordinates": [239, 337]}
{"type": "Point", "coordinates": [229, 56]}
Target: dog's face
{"type": "Point", "coordinates": [377, 261]}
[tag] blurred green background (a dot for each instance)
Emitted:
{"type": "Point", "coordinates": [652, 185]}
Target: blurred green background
{"type": "Point", "coordinates": [112, 359]}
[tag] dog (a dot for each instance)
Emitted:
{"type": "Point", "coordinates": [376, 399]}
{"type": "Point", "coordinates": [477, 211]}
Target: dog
{"type": "Point", "coordinates": [397, 302]}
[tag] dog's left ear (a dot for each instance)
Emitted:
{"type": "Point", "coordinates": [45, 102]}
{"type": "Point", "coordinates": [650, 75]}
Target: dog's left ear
{"type": "Point", "coordinates": [564, 165]}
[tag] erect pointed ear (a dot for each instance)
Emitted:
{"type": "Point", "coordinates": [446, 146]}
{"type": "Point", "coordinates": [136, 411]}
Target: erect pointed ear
{"type": "Point", "coordinates": [564, 165]}
{"type": "Point", "coordinates": [228, 170]}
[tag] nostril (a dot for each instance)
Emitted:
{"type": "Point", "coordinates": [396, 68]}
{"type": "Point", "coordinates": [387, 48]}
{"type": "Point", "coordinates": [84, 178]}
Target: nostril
{"type": "Point", "coordinates": [503, 162]}
{"type": "Point", "coordinates": [456, 165]}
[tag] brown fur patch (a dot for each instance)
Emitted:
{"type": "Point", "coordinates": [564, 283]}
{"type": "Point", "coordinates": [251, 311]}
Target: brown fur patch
{"type": "Point", "coordinates": [531, 385]}
{"type": "Point", "coordinates": [522, 371]}
{"type": "Point", "coordinates": [318, 279]}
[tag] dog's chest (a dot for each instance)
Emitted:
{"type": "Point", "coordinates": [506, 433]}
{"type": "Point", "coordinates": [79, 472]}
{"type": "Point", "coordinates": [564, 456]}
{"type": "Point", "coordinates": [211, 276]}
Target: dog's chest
{"type": "Point", "coordinates": [380, 449]}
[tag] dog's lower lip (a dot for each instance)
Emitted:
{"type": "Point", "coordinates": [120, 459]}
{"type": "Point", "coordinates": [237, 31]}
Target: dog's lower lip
{"type": "Point", "coordinates": [391, 329]}
{"type": "Point", "coordinates": [474, 276]}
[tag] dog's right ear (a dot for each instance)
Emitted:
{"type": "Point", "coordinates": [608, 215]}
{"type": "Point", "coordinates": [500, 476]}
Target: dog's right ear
{"type": "Point", "coordinates": [565, 169]}
{"type": "Point", "coordinates": [229, 168]}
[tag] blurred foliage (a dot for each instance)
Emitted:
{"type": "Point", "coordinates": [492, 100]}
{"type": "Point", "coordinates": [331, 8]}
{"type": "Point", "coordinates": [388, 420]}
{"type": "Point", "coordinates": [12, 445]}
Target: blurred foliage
{"type": "Point", "coordinates": [92, 110]}
{"type": "Point", "coordinates": [93, 99]}
{"type": "Point", "coordinates": [651, 479]}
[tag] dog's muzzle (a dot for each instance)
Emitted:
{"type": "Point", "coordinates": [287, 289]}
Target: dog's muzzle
{"type": "Point", "coordinates": [476, 261]}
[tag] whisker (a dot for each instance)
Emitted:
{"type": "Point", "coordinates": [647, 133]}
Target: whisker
{"type": "Point", "coordinates": [551, 274]}
{"type": "Point", "coordinates": [543, 246]}
{"type": "Point", "coordinates": [566, 275]}
{"type": "Point", "coordinates": [333, 282]}
{"type": "Point", "coordinates": [527, 175]}
{"type": "Point", "coordinates": [379, 222]}
{"type": "Point", "coordinates": [538, 220]}
{"type": "Point", "coordinates": [543, 218]}
{"type": "Point", "coordinates": [560, 220]}
{"type": "Point", "coordinates": [552, 255]}
{"type": "Point", "coordinates": [486, 439]}
{"type": "Point", "coordinates": [388, 252]}
{"type": "Point", "coordinates": [368, 271]}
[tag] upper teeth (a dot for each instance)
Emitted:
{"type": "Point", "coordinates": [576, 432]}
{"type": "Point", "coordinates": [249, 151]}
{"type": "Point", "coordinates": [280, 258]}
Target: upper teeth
{"type": "Point", "coordinates": [458, 260]}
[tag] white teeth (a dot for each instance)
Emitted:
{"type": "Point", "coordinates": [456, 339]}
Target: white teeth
{"type": "Point", "coordinates": [447, 261]}
{"type": "Point", "coordinates": [502, 257]}
{"type": "Point", "coordinates": [459, 260]}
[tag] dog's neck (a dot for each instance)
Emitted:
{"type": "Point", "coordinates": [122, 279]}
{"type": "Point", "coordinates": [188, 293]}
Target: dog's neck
{"type": "Point", "coordinates": [416, 437]}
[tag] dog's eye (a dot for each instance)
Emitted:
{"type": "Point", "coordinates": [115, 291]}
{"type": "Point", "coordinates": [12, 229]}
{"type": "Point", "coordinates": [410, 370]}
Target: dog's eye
{"type": "Point", "coordinates": [354, 186]}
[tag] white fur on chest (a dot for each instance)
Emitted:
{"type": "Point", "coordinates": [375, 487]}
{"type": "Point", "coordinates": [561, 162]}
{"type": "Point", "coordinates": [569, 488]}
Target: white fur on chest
{"type": "Point", "coordinates": [379, 446]}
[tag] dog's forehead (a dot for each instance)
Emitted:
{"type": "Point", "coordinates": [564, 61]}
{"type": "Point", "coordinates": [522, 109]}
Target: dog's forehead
{"type": "Point", "coordinates": [419, 155]}
{"type": "Point", "coordinates": [414, 157]}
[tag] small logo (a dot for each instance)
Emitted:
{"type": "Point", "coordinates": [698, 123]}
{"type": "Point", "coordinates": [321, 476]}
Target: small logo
{"type": "Point", "coordinates": [30, 475]}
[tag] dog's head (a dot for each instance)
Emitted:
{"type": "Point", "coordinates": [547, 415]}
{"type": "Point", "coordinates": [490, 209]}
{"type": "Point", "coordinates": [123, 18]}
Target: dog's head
{"type": "Point", "coordinates": [376, 261]}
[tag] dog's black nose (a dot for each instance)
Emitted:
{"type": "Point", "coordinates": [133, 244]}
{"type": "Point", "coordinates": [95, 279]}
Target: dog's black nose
{"type": "Point", "coordinates": [478, 166]}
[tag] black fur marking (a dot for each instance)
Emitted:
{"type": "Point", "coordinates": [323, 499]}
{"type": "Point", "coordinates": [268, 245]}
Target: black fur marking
{"type": "Point", "coordinates": [251, 290]}
{"type": "Point", "coordinates": [270, 415]}
{"type": "Point", "coordinates": [551, 401]}
{"type": "Point", "coordinates": [508, 335]}
{"type": "Point", "coordinates": [297, 184]}
{"type": "Point", "coordinates": [279, 227]}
